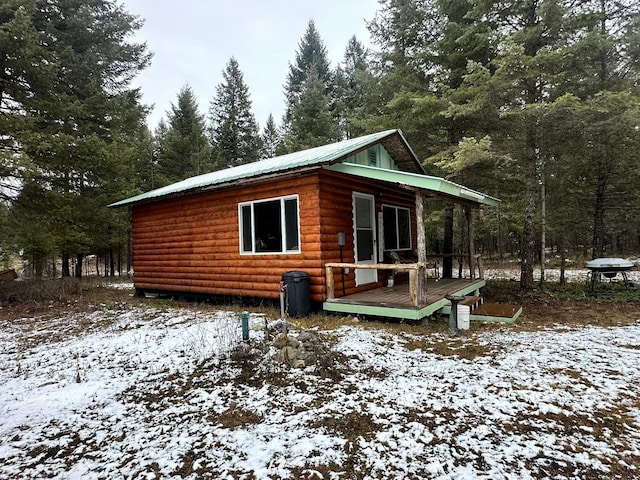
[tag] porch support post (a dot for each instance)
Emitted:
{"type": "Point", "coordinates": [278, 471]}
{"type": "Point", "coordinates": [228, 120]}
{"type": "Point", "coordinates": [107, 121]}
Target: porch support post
{"type": "Point", "coordinates": [329, 282]}
{"type": "Point", "coordinates": [471, 247]}
{"type": "Point", "coordinates": [422, 250]}
{"type": "Point", "coordinates": [447, 243]}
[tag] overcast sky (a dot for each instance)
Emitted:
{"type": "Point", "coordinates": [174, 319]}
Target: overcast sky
{"type": "Point", "coordinates": [192, 41]}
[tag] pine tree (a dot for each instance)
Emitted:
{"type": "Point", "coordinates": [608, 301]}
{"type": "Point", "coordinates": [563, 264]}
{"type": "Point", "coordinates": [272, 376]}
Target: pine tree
{"type": "Point", "coordinates": [311, 53]}
{"type": "Point", "coordinates": [271, 138]}
{"type": "Point", "coordinates": [524, 82]}
{"type": "Point", "coordinates": [234, 130]}
{"type": "Point", "coordinates": [604, 65]}
{"type": "Point", "coordinates": [183, 148]}
{"type": "Point", "coordinates": [547, 53]}
{"type": "Point", "coordinates": [27, 73]}
{"type": "Point", "coordinates": [407, 34]}
{"type": "Point", "coordinates": [69, 122]}
{"type": "Point", "coordinates": [353, 89]}
{"type": "Point", "coordinates": [312, 124]}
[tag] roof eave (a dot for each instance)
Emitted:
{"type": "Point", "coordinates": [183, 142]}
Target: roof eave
{"type": "Point", "coordinates": [218, 186]}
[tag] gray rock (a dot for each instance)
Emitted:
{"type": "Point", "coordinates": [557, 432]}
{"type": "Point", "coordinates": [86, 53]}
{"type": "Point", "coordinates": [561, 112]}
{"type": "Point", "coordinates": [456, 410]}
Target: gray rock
{"type": "Point", "coordinates": [307, 336]}
{"type": "Point", "coordinates": [308, 357]}
{"type": "Point", "coordinates": [287, 355]}
{"type": "Point", "coordinates": [281, 340]}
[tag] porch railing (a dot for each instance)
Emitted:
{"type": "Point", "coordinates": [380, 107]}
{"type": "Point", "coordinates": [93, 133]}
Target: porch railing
{"type": "Point", "coordinates": [417, 274]}
{"type": "Point", "coordinates": [416, 294]}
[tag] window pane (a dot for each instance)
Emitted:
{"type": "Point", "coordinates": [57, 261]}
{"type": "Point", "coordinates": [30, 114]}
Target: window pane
{"type": "Point", "coordinates": [291, 224]}
{"type": "Point", "coordinates": [268, 226]}
{"type": "Point", "coordinates": [390, 232]}
{"type": "Point", "coordinates": [246, 229]}
{"type": "Point", "coordinates": [363, 212]}
{"type": "Point", "coordinates": [365, 244]}
{"type": "Point", "coordinates": [404, 229]}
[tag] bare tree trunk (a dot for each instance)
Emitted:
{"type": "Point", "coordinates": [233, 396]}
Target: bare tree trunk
{"type": "Point", "coordinates": [447, 245]}
{"type": "Point", "coordinates": [66, 272]}
{"type": "Point", "coordinates": [598, 217]}
{"type": "Point", "coordinates": [528, 231]}
{"type": "Point", "coordinates": [500, 242]}
{"type": "Point", "coordinates": [563, 262]}
{"type": "Point", "coordinates": [79, 265]}
{"type": "Point", "coordinates": [112, 266]}
{"type": "Point", "coordinates": [119, 258]}
{"type": "Point", "coordinates": [543, 222]}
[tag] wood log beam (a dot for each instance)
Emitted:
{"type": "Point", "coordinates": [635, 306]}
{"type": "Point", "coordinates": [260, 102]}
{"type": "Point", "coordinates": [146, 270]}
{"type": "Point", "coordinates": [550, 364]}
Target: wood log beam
{"type": "Point", "coordinates": [330, 282]}
{"type": "Point", "coordinates": [421, 280]}
{"type": "Point", "coordinates": [471, 244]}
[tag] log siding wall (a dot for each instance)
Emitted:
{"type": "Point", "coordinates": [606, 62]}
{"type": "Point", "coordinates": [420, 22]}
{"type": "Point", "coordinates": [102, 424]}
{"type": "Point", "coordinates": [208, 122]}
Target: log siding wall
{"type": "Point", "coordinates": [192, 244]}
{"type": "Point", "coordinates": [336, 194]}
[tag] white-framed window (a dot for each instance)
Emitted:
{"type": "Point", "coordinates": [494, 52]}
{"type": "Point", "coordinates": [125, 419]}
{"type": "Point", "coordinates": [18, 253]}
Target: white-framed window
{"type": "Point", "coordinates": [270, 226]}
{"type": "Point", "coordinates": [397, 227]}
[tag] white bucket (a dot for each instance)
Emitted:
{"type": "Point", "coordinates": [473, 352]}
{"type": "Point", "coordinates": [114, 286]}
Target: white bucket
{"type": "Point", "coordinates": [463, 316]}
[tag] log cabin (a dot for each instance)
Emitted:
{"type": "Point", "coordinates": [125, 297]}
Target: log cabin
{"type": "Point", "coordinates": [333, 212]}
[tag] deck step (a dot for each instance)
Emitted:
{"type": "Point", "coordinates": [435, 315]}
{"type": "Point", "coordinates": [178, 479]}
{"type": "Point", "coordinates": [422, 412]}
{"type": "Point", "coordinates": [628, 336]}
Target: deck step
{"type": "Point", "coordinates": [469, 300]}
{"type": "Point", "coordinates": [496, 312]}
{"type": "Point", "coordinates": [487, 312]}
{"type": "Point", "coordinates": [472, 302]}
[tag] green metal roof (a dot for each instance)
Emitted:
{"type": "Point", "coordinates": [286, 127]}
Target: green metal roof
{"type": "Point", "coordinates": [417, 181]}
{"type": "Point", "coordinates": [411, 174]}
{"type": "Point", "coordinates": [393, 140]}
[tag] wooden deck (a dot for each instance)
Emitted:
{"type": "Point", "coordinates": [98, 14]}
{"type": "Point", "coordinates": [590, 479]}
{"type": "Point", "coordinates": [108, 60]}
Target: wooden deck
{"type": "Point", "coordinates": [395, 302]}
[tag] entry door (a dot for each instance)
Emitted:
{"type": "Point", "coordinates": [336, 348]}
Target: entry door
{"type": "Point", "coordinates": [365, 236]}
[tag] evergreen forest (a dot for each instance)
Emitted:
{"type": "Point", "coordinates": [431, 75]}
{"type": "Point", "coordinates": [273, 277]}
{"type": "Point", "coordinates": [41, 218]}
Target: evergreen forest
{"type": "Point", "coordinates": [535, 102]}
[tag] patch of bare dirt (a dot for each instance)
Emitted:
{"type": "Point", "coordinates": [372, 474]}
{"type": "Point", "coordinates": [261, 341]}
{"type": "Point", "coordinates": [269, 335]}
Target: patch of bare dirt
{"type": "Point", "coordinates": [543, 312]}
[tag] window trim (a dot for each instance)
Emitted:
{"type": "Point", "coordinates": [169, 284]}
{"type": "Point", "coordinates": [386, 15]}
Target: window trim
{"type": "Point", "coordinates": [397, 228]}
{"type": "Point", "coordinates": [283, 225]}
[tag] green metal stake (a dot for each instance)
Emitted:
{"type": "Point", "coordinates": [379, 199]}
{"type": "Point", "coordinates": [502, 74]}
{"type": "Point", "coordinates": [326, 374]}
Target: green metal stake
{"type": "Point", "coordinates": [245, 326]}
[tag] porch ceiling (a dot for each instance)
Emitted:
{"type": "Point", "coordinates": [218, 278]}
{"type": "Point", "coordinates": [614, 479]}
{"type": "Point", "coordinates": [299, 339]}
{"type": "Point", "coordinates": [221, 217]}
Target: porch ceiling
{"type": "Point", "coordinates": [457, 193]}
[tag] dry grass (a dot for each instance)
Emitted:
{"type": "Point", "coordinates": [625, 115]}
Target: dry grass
{"type": "Point", "coordinates": [250, 365]}
{"type": "Point", "coordinates": [349, 425]}
{"type": "Point", "coordinates": [568, 305]}
{"type": "Point", "coordinates": [458, 347]}
{"type": "Point", "coordinates": [234, 417]}
{"type": "Point", "coordinates": [543, 307]}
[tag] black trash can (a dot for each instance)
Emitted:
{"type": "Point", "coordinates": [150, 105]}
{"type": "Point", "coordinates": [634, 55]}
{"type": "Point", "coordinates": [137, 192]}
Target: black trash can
{"type": "Point", "coordinates": [297, 293]}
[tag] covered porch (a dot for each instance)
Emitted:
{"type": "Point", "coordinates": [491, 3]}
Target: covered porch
{"type": "Point", "coordinates": [411, 300]}
{"type": "Point", "coordinates": [421, 295]}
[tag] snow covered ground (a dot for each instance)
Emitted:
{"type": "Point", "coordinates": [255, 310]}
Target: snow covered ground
{"type": "Point", "coordinates": [135, 390]}
{"type": "Point", "coordinates": [553, 274]}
